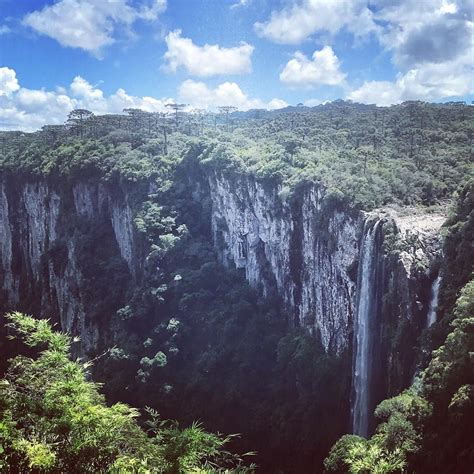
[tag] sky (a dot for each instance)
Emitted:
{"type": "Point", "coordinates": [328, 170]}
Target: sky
{"type": "Point", "coordinates": [107, 55]}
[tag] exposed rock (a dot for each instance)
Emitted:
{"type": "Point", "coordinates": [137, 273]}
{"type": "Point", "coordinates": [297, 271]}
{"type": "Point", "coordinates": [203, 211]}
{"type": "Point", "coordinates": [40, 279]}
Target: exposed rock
{"type": "Point", "coordinates": [303, 248]}
{"type": "Point", "coordinates": [308, 252]}
{"type": "Point", "coordinates": [38, 255]}
{"type": "Point", "coordinates": [299, 247]}
{"type": "Point", "coordinates": [9, 283]}
{"type": "Point", "coordinates": [122, 223]}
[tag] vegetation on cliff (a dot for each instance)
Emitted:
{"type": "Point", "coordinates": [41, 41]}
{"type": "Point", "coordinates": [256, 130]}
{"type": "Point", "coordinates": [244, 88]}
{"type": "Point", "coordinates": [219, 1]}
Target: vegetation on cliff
{"type": "Point", "coordinates": [427, 428]}
{"type": "Point", "coordinates": [366, 155]}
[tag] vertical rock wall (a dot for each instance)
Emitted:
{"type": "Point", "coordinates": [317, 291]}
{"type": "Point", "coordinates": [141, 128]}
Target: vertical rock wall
{"type": "Point", "coordinates": [39, 258]}
{"type": "Point", "coordinates": [301, 249]}
{"type": "Point", "coordinates": [308, 252]}
{"type": "Point", "coordinates": [305, 249]}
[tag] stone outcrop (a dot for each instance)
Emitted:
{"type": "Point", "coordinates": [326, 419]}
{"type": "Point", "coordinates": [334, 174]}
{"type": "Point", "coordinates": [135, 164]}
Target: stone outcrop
{"type": "Point", "coordinates": [298, 247]}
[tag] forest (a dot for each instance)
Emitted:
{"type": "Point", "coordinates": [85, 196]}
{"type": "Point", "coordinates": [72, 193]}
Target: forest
{"type": "Point", "coordinates": [186, 348]}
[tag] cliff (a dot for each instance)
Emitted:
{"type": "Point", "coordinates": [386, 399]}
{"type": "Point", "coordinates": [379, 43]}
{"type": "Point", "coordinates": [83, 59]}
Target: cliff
{"type": "Point", "coordinates": [308, 249]}
{"type": "Point", "coordinates": [298, 247]}
{"type": "Point", "coordinates": [44, 235]}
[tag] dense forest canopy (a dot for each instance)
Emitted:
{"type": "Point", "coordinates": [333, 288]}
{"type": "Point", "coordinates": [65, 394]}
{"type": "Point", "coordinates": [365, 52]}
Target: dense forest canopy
{"type": "Point", "coordinates": [411, 153]}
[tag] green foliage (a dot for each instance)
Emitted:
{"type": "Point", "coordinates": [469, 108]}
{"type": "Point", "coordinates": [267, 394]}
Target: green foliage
{"type": "Point", "coordinates": [337, 460]}
{"type": "Point", "coordinates": [124, 313]}
{"type": "Point", "coordinates": [355, 455]}
{"type": "Point", "coordinates": [458, 264]}
{"type": "Point", "coordinates": [53, 419]}
{"type": "Point", "coordinates": [411, 153]}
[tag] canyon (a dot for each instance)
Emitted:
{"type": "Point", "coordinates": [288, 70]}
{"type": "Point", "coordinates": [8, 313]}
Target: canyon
{"type": "Point", "coordinates": [351, 278]}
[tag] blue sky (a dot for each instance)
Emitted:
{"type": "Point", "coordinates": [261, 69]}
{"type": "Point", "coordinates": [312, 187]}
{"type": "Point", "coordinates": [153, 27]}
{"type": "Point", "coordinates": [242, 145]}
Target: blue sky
{"type": "Point", "coordinates": [109, 54]}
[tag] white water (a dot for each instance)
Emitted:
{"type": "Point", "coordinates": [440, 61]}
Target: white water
{"type": "Point", "coordinates": [361, 377]}
{"type": "Point", "coordinates": [431, 318]}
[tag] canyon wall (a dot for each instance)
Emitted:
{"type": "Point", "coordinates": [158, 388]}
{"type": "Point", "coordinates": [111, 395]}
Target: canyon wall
{"type": "Point", "coordinates": [44, 230]}
{"type": "Point", "coordinates": [309, 250]}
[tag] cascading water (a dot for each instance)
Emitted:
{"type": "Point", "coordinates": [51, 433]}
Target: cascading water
{"type": "Point", "coordinates": [431, 317]}
{"type": "Point", "coordinates": [363, 343]}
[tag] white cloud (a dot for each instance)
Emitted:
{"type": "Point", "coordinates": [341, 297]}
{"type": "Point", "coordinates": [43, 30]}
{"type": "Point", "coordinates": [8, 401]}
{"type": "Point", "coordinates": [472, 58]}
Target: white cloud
{"type": "Point", "coordinates": [425, 32]}
{"type": "Point", "coordinates": [89, 24]}
{"type": "Point", "coordinates": [314, 102]}
{"type": "Point", "coordinates": [275, 104]}
{"type": "Point", "coordinates": [207, 60]}
{"type": "Point", "coordinates": [81, 88]}
{"type": "Point", "coordinates": [240, 3]}
{"type": "Point", "coordinates": [8, 81]}
{"type": "Point", "coordinates": [323, 68]}
{"type": "Point", "coordinates": [4, 30]}
{"type": "Point", "coordinates": [431, 44]}
{"type": "Point", "coordinates": [30, 109]}
{"type": "Point", "coordinates": [427, 82]}
{"type": "Point", "coordinates": [199, 95]}
{"type": "Point", "coordinates": [295, 23]}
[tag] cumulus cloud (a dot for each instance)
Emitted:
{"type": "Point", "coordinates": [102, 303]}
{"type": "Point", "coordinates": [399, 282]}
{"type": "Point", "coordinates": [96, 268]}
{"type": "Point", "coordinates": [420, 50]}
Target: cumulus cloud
{"type": "Point", "coordinates": [30, 109]}
{"type": "Point", "coordinates": [8, 81]}
{"type": "Point", "coordinates": [81, 88]}
{"type": "Point", "coordinates": [427, 82]}
{"type": "Point", "coordinates": [275, 104]}
{"type": "Point", "coordinates": [207, 60]}
{"type": "Point", "coordinates": [89, 24]}
{"type": "Point", "coordinates": [426, 32]}
{"type": "Point", "coordinates": [431, 44]}
{"type": "Point", "coordinates": [322, 68]}
{"type": "Point", "coordinates": [314, 102]}
{"type": "Point", "coordinates": [295, 23]}
{"type": "Point", "coordinates": [441, 40]}
{"type": "Point", "coordinates": [199, 95]}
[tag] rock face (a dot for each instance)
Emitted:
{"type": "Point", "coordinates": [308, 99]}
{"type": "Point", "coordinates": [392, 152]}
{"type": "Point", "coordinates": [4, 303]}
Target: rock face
{"type": "Point", "coordinates": [40, 230]}
{"type": "Point", "coordinates": [298, 248]}
{"type": "Point", "coordinates": [308, 252]}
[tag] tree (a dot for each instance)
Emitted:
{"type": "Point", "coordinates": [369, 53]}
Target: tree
{"type": "Point", "coordinates": [51, 133]}
{"type": "Point", "coordinates": [226, 110]}
{"type": "Point", "coordinates": [200, 115]}
{"type": "Point", "coordinates": [138, 118]}
{"type": "Point", "coordinates": [176, 108]}
{"type": "Point", "coordinates": [53, 419]}
{"type": "Point", "coordinates": [77, 119]}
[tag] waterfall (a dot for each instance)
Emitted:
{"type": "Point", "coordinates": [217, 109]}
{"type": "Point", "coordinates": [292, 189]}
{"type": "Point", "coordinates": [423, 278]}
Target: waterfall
{"type": "Point", "coordinates": [431, 317]}
{"type": "Point", "coordinates": [363, 341]}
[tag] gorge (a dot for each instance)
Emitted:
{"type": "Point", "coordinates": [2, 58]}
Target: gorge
{"type": "Point", "coordinates": [326, 264]}
{"type": "Point", "coordinates": [230, 279]}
